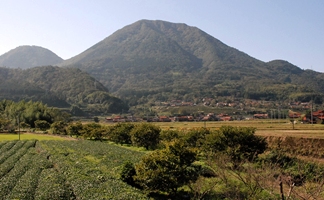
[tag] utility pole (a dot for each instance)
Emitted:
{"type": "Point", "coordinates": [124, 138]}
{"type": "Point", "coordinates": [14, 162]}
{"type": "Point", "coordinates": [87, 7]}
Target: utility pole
{"type": "Point", "coordinates": [312, 111]}
{"type": "Point", "coordinates": [18, 126]}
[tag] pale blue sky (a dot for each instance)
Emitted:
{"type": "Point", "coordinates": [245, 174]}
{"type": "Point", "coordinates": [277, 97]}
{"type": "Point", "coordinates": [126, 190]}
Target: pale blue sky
{"type": "Point", "coordinates": [291, 30]}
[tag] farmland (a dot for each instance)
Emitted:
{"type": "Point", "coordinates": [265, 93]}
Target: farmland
{"type": "Point", "coordinates": [64, 170]}
{"type": "Point", "coordinates": [44, 166]}
{"type": "Point", "coordinates": [279, 128]}
{"type": "Point", "coordinates": [31, 136]}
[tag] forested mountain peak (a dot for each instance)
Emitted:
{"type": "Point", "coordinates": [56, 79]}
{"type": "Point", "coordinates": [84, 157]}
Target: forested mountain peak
{"type": "Point", "coordinates": [178, 61]}
{"type": "Point", "coordinates": [284, 67]}
{"type": "Point", "coordinates": [29, 56]}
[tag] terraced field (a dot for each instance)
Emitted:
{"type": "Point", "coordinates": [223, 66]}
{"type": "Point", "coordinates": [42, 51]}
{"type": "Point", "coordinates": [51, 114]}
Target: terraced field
{"type": "Point", "coordinates": [64, 170]}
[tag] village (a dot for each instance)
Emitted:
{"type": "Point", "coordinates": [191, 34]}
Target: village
{"type": "Point", "coordinates": [253, 109]}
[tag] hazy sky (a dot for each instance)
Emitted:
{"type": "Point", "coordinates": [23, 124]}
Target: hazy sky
{"type": "Point", "coordinates": [291, 30]}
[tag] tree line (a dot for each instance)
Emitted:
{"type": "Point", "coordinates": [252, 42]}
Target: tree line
{"type": "Point", "coordinates": [29, 115]}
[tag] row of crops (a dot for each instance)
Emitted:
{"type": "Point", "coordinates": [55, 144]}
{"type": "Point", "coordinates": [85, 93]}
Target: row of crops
{"type": "Point", "coordinates": [64, 170]}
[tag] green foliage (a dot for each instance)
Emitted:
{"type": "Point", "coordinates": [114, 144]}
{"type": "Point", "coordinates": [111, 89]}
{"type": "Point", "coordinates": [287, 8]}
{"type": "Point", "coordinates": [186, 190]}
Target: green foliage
{"type": "Point", "coordinates": [169, 135]}
{"type": "Point", "coordinates": [59, 128]}
{"type": "Point", "coordinates": [75, 129]}
{"type": "Point", "coordinates": [127, 173]}
{"type": "Point", "coordinates": [4, 124]}
{"type": "Point", "coordinates": [145, 135]}
{"type": "Point", "coordinates": [121, 133]}
{"type": "Point", "coordinates": [76, 111]}
{"type": "Point", "coordinates": [42, 125]}
{"type": "Point", "coordinates": [237, 142]}
{"type": "Point", "coordinates": [96, 119]}
{"type": "Point", "coordinates": [93, 131]}
{"type": "Point", "coordinates": [27, 113]}
{"type": "Point", "coordinates": [196, 137]}
{"type": "Point", "coordinates": [167, 169]}
{"type": "Point", "coordinates": [24, 125]}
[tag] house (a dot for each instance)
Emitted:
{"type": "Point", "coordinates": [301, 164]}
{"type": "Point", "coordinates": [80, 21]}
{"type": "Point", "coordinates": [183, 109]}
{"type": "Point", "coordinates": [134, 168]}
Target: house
{"type": "Point", "coordinates": [314, 117]}
{"type": "Point", "coordinates": [224, 117]}
{"type": "Point", "coordinates": [109, 119]}
{"type": "Point", "coordinates": [118, 119]}
{"type": "Point", "coordinates": [294, 115]}
{"type": "Point", "coordinates": [260, 116]}
{"type": "Point", "coordinates": [183, 118]}
{"type": "Point", "coordinates": [187, 104]}
{"type": "Point", "coordinates": [319, 114]}
{"type": "Point", "coordinates": [164, 119]}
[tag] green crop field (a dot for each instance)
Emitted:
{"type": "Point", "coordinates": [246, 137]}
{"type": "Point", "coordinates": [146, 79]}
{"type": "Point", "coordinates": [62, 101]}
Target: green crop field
{"type": "Point", "coordinates": [51, 169]}
{"type": "Point", "coordinates": [30, 136]}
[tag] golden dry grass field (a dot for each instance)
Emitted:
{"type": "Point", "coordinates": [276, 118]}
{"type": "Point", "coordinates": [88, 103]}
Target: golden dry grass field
{"type": "Point", "coordinates": [280, 128]}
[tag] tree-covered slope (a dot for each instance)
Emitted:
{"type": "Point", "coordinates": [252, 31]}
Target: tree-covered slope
{"type": "Point", "coordinates": [157, 60]}
{"type": "Point", "coordinates": [29, 56]}
{"type": "Point", "coordinates": [58, 87]}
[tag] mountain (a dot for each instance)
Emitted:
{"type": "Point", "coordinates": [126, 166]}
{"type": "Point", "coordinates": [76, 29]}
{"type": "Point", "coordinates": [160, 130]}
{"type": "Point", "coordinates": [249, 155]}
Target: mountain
{"type": "Point", "coordinates": [60, 87]}
{"type": "Point", "coordinates": [151, 61]}
{"type": "Point", "coordinates": [29, 56]}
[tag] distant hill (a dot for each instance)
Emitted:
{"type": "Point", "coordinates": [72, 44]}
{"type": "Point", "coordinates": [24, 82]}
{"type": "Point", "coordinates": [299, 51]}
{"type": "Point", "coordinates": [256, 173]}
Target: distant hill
{"type": "Point", "coordinates": [60, 87]}
{"type": "Point", "coordinates": [29, 56]}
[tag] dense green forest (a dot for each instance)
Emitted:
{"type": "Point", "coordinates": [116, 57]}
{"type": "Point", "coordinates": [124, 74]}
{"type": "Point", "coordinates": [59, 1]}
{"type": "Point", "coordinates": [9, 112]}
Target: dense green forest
{"type": "Point", "coordinates": [27, 115]}
{"type": "Point", "coordinates": [61, 87]}
{"type": "Point", "coordinates": [151, 61]}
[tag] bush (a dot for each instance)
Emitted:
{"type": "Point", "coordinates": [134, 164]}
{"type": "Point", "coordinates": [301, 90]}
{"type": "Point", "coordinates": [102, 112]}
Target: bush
{"type": "Point", "coordinates": [42, 125]}
{"type": "Point", "coordinates": [196, 137]}
{"type": "Point", "coordinates": [93, 131]}
{"type": "Point", "coordinates": [75, 129]}
{"type": "Point", "coordinates": [127, 173]}
{"type": "Point", "coordinates": [237, 142]}
{"type": "Point", "coordinates": [59, 128]}
{"type": "Point", "coordinates": [145, 135]}
{"type": "Point", "coordinates": [120, 133]}
{"type": "Point", "coordinates": [168, 169]}
{"type": "Point", "coordinates": [169, 135]}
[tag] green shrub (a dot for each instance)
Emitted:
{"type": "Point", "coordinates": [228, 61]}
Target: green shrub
{"type": "Point", "coordinates": [42, 125]}
{"type": "Point", "coordinates": [145, 135]}
{"type": "Point", "coordinates": [167, 169]}
{"type": "Point", "coordinates": [237, 142]}
{"type": "Point", "coordinates": [169, 135]}
{"type": "Point", "coordinates": [120, 133]}
{"type": "Point", "coordinates": [127, 173]}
